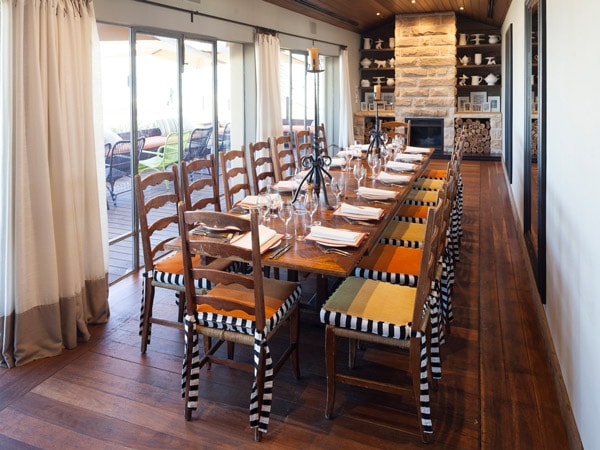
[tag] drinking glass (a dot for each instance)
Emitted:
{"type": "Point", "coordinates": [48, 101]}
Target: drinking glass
{"type": "Point", "coordinates": [359, 173]}
{"type": "Point", "coordinates": [264, 207]}
{"type": "Point", "coordinates": [311, 206]}
{"type": "Point", "coordinates": [385, 154]}
{"type": "Point", "coordinates": [372, 161]}
{"type": "Point", "coordinates": [336, 189]}
{"type": "Point", "coordinates": [285, 214]}
{"type": "Point", "coordinates": [348, 156]}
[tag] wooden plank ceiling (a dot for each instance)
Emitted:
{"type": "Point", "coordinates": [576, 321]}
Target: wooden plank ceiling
{"type": "Point", "coordinates": [362, 15]}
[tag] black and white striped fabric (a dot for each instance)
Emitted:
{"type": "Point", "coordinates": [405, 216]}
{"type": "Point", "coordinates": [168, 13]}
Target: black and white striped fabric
{"type": "Point", "coordinates": [402, 279]}
{"type": "Point", "coordinates": [258, 418]}
{"type": "Point", "coordinates": [401, 242]}
{"type": "Point", "coordinates": [401, 332]}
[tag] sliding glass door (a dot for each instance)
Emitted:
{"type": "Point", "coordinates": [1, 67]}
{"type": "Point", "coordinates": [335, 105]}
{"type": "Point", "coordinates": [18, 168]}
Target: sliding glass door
{"type": "Point", "coordinates": [173, 94]}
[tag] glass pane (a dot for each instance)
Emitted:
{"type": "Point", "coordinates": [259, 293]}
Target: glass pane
{"type": "Point", "coordinates": [198, 98]}
{"type": "Point", "coordinates": [230, 95]}
{"type": "Point", "coordinates": [116, 101]}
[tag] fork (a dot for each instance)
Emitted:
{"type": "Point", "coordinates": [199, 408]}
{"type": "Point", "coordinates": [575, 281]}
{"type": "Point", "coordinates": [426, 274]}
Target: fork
{"type": "Point", "coordinates": [333, 250]}
{"type": "Point", "coordinates": [356, 221]}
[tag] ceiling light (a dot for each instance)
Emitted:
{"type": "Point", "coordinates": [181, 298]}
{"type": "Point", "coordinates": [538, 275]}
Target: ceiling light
{"type": "Point", "coordinates": [461, 8]}
{"type": "Point", "coordinates": [413, 1]}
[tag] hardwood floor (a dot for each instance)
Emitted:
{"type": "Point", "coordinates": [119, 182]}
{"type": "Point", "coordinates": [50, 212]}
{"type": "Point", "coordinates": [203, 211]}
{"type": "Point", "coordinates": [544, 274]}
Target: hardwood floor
{"type": "Point", "coordinates": [497, 388]}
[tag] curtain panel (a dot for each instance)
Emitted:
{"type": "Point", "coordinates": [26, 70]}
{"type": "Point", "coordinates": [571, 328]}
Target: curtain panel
{"type": "Point", "coordinates": [268, 97]}
{"type": "Point", "coordinates": [346, 136]}
{"type": "Point", "coordinates": [53, 251]}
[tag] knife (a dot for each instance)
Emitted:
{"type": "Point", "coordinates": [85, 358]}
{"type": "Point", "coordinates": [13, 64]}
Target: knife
{"type": "Point", "coordinates": [281, 251]}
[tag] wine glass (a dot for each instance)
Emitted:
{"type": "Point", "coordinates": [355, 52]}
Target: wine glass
{"type": "Point", "coordinates": [372, 161]}
{"type": "Point", "coordinates": [348, 155]}
{"type": "Point", "coordinates": [359, 173]}
{"type": "Point", "coordinates": [285, 214]}
{"type": "Point", "coordinates": [337, 190]}
{"type": "Point", "coordinates": [263, 203]}
{"type": "Point", "coordinates": [385, 153]}
{"type": "Point", "coordinates": [311, 205]}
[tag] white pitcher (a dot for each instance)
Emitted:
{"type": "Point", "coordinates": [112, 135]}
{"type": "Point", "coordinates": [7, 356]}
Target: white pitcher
{"type": "Point", "coordinates": [462, 39]}
{"type": "Point", "coordinates": [392, 42]}
{"type": "Point", "coordinates": [367, 42]}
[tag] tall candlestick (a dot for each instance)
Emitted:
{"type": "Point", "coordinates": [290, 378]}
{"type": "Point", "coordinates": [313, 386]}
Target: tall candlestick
{"type": "Point", "coordinates": [377, 92]}
{"type": "Point", "coordinates": [313, 53]}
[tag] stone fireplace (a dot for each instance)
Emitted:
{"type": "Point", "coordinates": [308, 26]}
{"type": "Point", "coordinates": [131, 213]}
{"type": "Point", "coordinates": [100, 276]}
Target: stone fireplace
{"type": "Point", "coordinates": [425, 58]}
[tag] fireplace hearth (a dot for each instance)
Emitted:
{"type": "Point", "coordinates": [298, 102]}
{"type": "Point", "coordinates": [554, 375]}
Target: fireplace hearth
{"type": "Point", "coordinates": [427, 132]}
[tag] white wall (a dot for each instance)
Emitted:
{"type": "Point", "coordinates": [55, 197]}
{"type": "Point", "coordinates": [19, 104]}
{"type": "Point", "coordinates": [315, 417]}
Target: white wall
{"type": "Point", "coordinates": [572, 202]}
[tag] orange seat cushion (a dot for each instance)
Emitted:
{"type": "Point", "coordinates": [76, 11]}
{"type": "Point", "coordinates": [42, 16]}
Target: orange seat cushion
{"type": "Point", "coordinates": [393, 259]}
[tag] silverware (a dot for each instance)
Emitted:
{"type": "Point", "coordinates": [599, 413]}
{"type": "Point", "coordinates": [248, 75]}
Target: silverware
{"type": "Point", "coordinates": [359, 222]}
{"type": "Point", "coordinates": [333, 250]}
{"type": "Point", "coordinates": [281, 251]}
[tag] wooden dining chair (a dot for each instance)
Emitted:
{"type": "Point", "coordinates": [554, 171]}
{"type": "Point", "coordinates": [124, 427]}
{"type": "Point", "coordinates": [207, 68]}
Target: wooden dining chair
{"type": "Point", "coordinates": [163, 268]}
{"type": "Point", "coordinates": [283, 157]}
{"type": "Point", "coordinates": [302, 145]}
{"type": "Point", "coordinates": [200, 184]}
{"type": "Point", "coordinates": [245, 309]}
{"type": "Point", "coordinates": [397, 128]}
{"type": "Point", "coordinates": [234, 170]}
{"type": "Point", "coordinates": [322, 139]}
{"type": "Point", "coordinates": [261, 165]}
{"type": "Point", "coordinates": [378, 312]}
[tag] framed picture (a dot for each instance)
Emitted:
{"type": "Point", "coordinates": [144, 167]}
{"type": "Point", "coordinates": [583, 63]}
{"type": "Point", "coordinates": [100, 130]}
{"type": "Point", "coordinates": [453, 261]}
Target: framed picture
{"type": "Point", "coordinates": [388, 97]}
{"type": "Point", "coordinates": [364, 106]}
{"type": "Point", "coordinates": [486, 107]}
{"type": "Point", "coordinates": [372, 106]}
{"type": "Point", "coordinates": [478, 97]}
{"type": "Point", "coordinates": [467, 107]}
{"type": "Point", "coordinates": [369, 97]}
{"type": "Point", "coordinates": [494, 103]}
{"type": "Point", "coordinates": [476, 107]}
{"type": "Point", "coordinates": [461, 103]}
{"type": "Point", "coordinates": [389, 106]}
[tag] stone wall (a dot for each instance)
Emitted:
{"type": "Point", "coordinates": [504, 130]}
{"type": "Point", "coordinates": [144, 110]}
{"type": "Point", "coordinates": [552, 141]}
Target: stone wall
{"type": "Point", "coordinates": [426, 69]}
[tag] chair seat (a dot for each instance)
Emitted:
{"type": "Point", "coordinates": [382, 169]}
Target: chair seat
{"type": "Point", "coordinates": [398, 265]}
{"type": "Point", "coordinates": [421, 197]}
{"type": "Point", "coordinates": [169, 270]}
{"type": "Point", "coordinates": [374, 307]}
{"type": "Point", "coordinates": [435, 173]}
{"type": "Point", "coordinates": [412, 213]}
{"type": "Point", "coordinates": [275, 307]}
{"type": "Point", "coordinates": [428, 184]}
{"type": "Point", "coordinates": [405, 234]}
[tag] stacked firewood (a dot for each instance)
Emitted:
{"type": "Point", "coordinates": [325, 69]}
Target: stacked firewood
{"type": "Point", "coordinates": [477, 134]}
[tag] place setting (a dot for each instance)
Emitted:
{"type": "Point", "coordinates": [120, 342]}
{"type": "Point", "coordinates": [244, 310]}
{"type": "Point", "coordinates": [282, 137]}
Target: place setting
{"type": "Point", "coordinates": [328, 240]}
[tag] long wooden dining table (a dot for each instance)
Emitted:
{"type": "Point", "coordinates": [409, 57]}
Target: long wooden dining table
{"type": "Point", "coordinates": [306, 256]}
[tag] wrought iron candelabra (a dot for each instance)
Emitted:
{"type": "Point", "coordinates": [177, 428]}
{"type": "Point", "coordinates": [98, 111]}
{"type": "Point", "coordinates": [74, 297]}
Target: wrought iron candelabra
{"type": "Point", "coordinates": [376, 141]}
{"type": "Point", "coordinates": [316, 163]}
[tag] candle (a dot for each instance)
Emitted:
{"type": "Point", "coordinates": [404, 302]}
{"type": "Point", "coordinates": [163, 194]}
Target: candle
{"type": "Point", "coordinates": [313, 53]}
{"type": "Point", "coordinates": [377, 92]}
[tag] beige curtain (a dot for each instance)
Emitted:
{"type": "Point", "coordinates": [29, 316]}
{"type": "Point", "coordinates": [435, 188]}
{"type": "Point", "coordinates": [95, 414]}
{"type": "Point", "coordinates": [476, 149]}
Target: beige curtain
{"type": "Point", "coordinates": [268, 98]}
{"type": "Point", "coordinates": [52, 247]}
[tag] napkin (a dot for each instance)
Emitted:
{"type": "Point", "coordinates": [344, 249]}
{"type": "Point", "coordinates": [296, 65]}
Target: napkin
{"type": "Point", "coordinates": [338, 162]}
{"type": "Point", "coordinates": [364, 212]}
{"type": "Point", "coordinates": [286, 185]}
{"type": "Point", "coordinates": [335, 234]}
{"type": "Point", "coordinates": [356, 152]}
{"type": "Point", "coordinates": [401, 166]}
{"type": "Point", "coordinates": [385, 177]}
{"type": "Point", "coordinates": [250, 201]}
{"type": "Point", "coordinates": [410, 149]}
{"type": "Point", "coordinates": [376, 193]}
{"type": "Point", "coordinates": [267, 237]}
{"type": "Point", "coordinates": [409, 157]}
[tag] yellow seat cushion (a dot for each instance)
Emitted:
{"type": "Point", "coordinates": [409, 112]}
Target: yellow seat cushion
{"type": "Point", "coordinates": [372, 300]}
{"type": "Point", "coordinates": [428, 183]}
{"type": "Point", "coordinates": [420, 196]}
{"type": "Point", "coordinates": [435, 173]}
{"type": "Point", "coordinates": [404, 233]}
